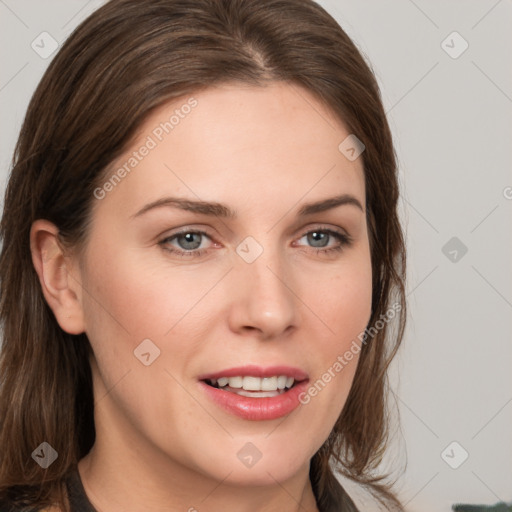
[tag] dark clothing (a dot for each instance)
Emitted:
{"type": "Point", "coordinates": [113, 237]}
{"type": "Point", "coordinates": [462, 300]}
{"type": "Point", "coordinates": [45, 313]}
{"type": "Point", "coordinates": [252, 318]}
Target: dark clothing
{"type": "Point", "coordinates": [80, 503]}
{"type": "Point", "coordinates": [77, 498]}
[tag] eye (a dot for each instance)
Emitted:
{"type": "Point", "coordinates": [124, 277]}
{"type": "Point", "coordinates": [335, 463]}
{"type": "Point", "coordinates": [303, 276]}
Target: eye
{"type": "Point", "coordinates": [320, 239]}
{"type": "Point", "coordinates": [191, 243]}
{"type": "Point", "coordinates": [186, 243]}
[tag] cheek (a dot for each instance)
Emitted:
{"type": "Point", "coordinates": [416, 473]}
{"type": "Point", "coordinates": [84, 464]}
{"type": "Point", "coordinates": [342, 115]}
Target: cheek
{"type": "Point", "coordinates": [343, 303]}
{"type": "Point", "coordinates": [344, 300]}
{"type": "Point", "coordinates": [130, 299]}
{"type": "Point", "coordinates": [144, 296]}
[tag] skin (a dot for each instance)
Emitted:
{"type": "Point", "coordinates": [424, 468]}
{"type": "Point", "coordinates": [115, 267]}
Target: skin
{"type": "Point", "coordinates": [161, 444]}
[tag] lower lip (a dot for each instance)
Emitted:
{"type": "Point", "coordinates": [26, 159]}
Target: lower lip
{"type": "Point", "coordinates": [257, 409]}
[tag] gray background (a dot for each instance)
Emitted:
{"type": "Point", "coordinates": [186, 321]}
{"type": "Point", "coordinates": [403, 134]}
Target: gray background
{"type": "Point", "coordinates": [451, 118]}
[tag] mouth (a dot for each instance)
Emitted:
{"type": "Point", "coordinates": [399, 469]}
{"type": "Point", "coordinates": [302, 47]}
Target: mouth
{"type": "Point", "coordinates": [256, 393]}
{"type": "Point", "coordinates": [254, 387]}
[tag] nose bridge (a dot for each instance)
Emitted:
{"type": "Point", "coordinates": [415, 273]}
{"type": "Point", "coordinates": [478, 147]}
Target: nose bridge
{"type": "Point", "coordinates": [265, 300]}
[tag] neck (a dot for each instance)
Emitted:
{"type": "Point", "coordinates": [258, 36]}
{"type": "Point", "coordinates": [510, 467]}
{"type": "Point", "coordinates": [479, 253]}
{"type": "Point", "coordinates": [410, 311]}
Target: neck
{"type": "Point", "coordinates": [124, 471]}
{"type": "Point", "coordinates": [119, 486]}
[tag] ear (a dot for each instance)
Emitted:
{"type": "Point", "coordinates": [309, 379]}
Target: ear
{"type": "Point", "coordinates": [58, 275]}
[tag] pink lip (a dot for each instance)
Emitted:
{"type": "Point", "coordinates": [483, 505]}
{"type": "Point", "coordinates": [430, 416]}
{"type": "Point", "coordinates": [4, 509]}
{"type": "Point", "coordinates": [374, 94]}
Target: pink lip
{"type": "Point", "coordinates": [257, 371]}
{"type": "Point", "coordinates": [257, 409]}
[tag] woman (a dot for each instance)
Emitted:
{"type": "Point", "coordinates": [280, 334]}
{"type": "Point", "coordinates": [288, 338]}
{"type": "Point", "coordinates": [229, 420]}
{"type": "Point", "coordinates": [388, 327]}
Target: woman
{"type": "Point", "coordinates": [201, 259]}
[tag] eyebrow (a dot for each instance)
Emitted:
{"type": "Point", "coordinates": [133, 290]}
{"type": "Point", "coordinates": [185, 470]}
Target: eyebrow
{"type": "Point", "coordinates": [221, 210]}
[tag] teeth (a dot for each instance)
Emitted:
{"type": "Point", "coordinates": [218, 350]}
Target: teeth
{"type": "Point", "coordinates": [258, 394]}
{"type": "Point", "coordinates": [269, 384]}
{"type": "Point", "coordinates": [222, 381]}
{"type": "Point", "coordinates": [235, 382]}
{"type": "Point", "coordinates": [252, 384]}
{"type": "Point", "coordinates": [247, 383]}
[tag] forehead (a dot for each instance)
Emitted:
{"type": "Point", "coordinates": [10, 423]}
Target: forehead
{"type": "Point", "coordinates": [237, 143]}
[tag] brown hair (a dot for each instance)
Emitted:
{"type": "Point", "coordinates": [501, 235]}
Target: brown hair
{"type": "Point", "coordinates": [126, 59]}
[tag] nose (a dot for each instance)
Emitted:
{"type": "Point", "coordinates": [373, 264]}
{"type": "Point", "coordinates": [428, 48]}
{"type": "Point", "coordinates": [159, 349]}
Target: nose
{"type": "Point", "coordinates": [263, 299]}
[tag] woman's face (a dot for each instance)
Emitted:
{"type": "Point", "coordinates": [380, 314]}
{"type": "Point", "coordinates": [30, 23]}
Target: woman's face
{"type": "Point", "coordinates": [243, 291]}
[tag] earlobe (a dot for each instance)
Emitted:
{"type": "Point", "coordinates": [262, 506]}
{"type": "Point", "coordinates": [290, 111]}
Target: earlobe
{"type": "Point", "coordinates": [61, 288]}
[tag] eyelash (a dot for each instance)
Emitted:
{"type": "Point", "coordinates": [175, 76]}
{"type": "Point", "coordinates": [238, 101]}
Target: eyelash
{"type": "Point", "coordinates": [343, 240]}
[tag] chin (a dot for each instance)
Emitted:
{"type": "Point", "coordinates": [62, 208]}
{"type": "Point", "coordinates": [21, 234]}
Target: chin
{"type": "Point", "coordinates": [253, 467]}
{"type": "Point", "coordinates": [261, 475]}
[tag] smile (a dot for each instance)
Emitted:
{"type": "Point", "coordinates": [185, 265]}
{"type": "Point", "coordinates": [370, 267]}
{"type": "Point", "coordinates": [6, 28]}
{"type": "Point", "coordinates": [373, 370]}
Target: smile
{"type": "Point", "coordinates": [254, 387]}
{"type": "Point", "coordinates": [255, 393]}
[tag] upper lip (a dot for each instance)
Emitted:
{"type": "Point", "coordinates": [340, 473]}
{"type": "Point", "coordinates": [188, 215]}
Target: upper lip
{"type": "Point", "coordinates": [257, 371]}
